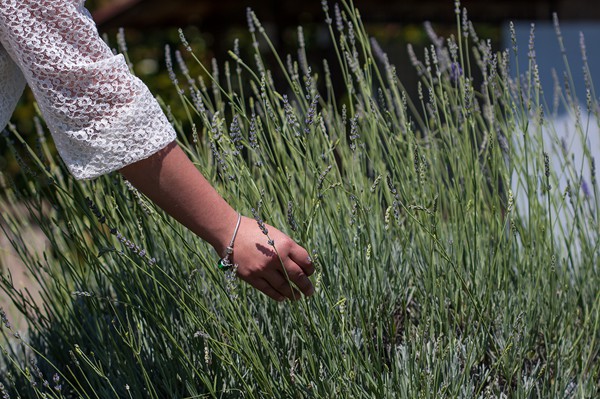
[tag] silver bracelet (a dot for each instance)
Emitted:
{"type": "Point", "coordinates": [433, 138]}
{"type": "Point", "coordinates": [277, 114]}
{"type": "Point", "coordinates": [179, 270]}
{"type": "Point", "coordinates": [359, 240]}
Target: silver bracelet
{"type": "Point", "coordinates": [225, 262]}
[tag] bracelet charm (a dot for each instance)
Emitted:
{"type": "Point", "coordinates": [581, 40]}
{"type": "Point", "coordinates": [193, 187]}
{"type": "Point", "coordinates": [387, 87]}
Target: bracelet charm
{"type": "Point", "coordinates": [225, 262]}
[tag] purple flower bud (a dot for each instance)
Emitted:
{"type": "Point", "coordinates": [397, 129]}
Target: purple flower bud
{"type": "Point", "coordinates": [455, 71]}
{"type": "Point", "coordinates": [585, 188]}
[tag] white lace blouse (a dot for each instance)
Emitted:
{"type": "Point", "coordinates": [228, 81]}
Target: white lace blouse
{"type": "Point", "coordinates": [101, 116]}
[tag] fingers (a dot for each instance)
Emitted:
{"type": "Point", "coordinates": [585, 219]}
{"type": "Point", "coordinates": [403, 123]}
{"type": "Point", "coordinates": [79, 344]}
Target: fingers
{"type": "Point", "coordinates": [301, 257]}
{"type": "Point", "coordinates": [297, 275]}
{"type": "Point", "coordinates": [283, 286]}
{"type": "Point", "coordinates": [268, 290]}
{"type": "Point", "coordinates": [281, 272]}
{"type": "Point", "coordinates": [279, 284]}
{"type": "Point", "coordinates": [292, 278]}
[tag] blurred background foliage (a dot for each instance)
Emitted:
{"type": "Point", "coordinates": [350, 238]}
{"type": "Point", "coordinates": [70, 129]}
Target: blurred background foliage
{"type": "Point", "coordinates": [212, 28]}
{"type": "Point", "coordinates": [213, 37]}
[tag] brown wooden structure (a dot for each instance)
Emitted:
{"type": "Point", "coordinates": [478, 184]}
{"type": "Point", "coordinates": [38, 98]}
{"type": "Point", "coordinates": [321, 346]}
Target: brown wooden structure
{"type": "Point", "coordinates": [213, 14]}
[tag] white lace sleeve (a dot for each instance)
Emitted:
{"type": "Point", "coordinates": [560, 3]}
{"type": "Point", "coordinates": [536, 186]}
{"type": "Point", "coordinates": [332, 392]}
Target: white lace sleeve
{"type": "Point", "coordinates": [101, 117]}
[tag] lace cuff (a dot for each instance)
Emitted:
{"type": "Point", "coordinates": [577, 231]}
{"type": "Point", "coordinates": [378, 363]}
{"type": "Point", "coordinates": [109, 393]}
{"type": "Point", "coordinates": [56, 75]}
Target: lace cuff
{"type": "Point", "coordinates": [102, 117]}
{"type": "Point", "coordinates": [117, 127]}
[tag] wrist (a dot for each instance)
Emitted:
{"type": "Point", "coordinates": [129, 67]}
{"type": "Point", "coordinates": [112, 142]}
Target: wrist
{"type": "Point", "coordinates": [226, 261]}
{"type": "Point", "coordinates": [218, 234]}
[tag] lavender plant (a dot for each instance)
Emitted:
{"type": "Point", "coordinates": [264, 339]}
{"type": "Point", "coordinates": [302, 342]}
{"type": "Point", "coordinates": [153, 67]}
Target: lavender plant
{"type": "Point", "coordinates": [451, 260]}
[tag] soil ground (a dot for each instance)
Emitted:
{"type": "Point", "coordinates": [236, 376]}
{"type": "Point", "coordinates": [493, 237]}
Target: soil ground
{"type": "Point", "coordinates": [11, 265]}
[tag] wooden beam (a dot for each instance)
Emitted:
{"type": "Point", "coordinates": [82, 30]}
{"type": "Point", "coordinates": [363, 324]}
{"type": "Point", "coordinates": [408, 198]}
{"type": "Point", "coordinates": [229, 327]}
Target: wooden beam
{"type": "Point", "coordinates": [161, 13]}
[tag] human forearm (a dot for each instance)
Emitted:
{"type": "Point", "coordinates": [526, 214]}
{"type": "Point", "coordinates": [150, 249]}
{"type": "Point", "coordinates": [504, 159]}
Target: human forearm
{"type": "Point", "coordinates": [173, 183]}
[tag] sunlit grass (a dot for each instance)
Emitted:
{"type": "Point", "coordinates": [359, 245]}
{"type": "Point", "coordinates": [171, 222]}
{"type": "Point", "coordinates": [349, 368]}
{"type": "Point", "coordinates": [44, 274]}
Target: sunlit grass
{"type": "Point", "coordinates": [432, 279]}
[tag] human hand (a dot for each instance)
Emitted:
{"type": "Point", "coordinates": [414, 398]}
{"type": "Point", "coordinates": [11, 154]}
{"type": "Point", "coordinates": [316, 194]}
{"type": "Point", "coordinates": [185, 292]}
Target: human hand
{"type": "Point", "coordinates": [280, 270]}
{"type": "Point", "coordinates": [175, 184]}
